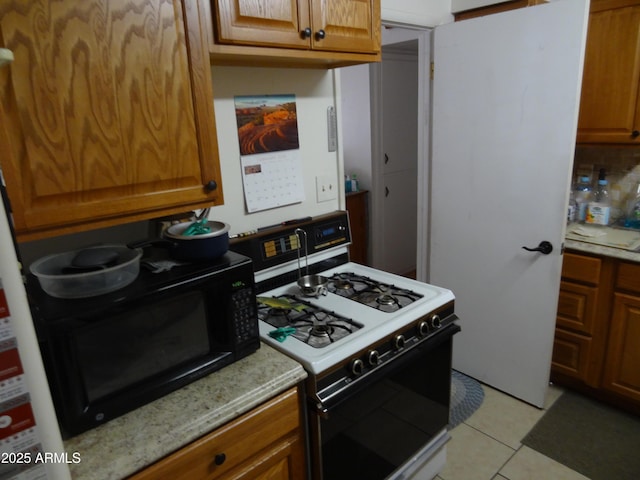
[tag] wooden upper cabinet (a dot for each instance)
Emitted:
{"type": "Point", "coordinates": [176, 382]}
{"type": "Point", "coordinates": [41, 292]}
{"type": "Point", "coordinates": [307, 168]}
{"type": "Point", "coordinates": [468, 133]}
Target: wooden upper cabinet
{"type": "Point", "coordinates": [610, 104]}
{"type": "Point", "coordinates": [262, 22]}
{"type": "Point", "coordinates": [323, 33]}
{"type": "Point", "coordinates": [106, 113]}
{"type": "Point", "coordinates": [348, 25]}
{"type": "Point", "coordinates": [498, 7]}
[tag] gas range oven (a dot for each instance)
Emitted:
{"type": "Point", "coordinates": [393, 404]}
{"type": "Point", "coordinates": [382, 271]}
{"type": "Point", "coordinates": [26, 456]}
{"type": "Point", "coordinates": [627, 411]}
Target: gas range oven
{"type": "Point", "coordinates": [377, 348]}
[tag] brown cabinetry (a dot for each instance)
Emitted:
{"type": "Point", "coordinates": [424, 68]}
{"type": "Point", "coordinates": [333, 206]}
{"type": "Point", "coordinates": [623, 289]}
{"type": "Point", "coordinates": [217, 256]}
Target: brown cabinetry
{"type": "Point", "coordinates": [582, 302]}
{"type": "Point", "coordinates": [320, 33]}
{"type": "Point", "coordinates": [265, 443]}
{"type": "Point", "coordinates": [622, 371]}
{"type": "Point", "coordinates": [597, 340]}
{"type": "Point", "coordinates": [357, 206]}
{"type": "Point", "coordinates": [106, 113]}
{"type": "Point", "coordinates": [497, 8]}
{"type": "Point", "coordinates": [610, 104]}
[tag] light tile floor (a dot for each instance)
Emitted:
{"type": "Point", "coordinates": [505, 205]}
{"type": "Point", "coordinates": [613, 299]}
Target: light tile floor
{"type": "Point", "coordinates": [487, 445]}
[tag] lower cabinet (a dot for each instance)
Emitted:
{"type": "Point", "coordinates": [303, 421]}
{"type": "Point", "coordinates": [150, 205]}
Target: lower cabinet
{"type": "Point", "coordinates": [622, 370]}
{"type": "Point", "coordinates": [357, 206]}
{"type": "Point", "coordinates": [597, 340]}
{"type": "Point", "coordinates": [266, 443]}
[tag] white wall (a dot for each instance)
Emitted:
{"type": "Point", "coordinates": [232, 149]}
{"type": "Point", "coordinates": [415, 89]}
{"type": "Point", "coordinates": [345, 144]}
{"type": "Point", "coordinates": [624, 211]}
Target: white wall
{"type": "Point", "coordinates": [356, 123]}
{"type": "Point", "coordinates": [425, 13]}
{"type": "Point", "coordinates": [314, 91]}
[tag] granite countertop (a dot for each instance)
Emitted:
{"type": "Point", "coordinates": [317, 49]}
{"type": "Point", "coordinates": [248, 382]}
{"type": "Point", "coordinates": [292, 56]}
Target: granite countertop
{"type": "Point", "coordinates": [141, 437]}
{"type": "Point", "coordinates": [586, 247]}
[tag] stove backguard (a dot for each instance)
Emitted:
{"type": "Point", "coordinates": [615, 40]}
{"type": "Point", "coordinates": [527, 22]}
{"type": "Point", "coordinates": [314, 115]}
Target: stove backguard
{"type": "Point", "coordinates": [279, 245]}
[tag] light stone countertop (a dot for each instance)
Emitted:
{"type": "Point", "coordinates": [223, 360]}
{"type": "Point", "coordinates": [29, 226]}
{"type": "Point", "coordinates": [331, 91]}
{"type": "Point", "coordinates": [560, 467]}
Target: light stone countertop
{"type": "Point", "coordinates": [143, 436]}
{"type": "Point", "coordinates": [595, 249]}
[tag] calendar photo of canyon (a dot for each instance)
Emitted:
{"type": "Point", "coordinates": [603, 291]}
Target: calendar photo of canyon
{"type": "Point", "coordinates": [266, 123]}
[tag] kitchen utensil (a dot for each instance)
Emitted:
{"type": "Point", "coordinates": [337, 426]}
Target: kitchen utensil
{"type": "Point", "coordinates": [310, 285]}
{"type": "Point", "coordinates": [199, 226]}
{"type": "Point", "coordinates": [88, 272]}
{"type": "Point", "coordinates": [280, 303]}
{"type": "Point", "coordinates": [205, 246]}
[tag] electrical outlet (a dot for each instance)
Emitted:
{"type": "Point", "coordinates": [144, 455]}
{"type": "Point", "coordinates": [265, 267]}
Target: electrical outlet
{"type": "Point", "coordinates": [326, 188]}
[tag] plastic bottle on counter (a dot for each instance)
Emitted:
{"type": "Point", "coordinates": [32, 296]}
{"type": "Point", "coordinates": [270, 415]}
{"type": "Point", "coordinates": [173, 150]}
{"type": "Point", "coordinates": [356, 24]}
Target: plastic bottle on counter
{"type": "Point", "coordinates": [582, 194]}
{"type": "Point", "coordinates": [599, 211]}
{"type": "Point", "coordinates": [354, 183]}
{"type": "Point", "coordinates": [572, 208]}
{"type": "Point", "coordinates": [633, 214]}
{"type": "Point", "coordinates": [347, 184]}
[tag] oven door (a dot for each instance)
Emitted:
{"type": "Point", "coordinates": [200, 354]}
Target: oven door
{"type": "Point", "coordinates": [390, 424]}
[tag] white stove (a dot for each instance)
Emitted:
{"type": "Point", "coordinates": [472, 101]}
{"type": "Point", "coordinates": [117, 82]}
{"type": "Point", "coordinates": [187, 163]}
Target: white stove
{"type": "Point", "coordinates": [375, 323]}
{"type": "Point", "coordinates": [377, 348]}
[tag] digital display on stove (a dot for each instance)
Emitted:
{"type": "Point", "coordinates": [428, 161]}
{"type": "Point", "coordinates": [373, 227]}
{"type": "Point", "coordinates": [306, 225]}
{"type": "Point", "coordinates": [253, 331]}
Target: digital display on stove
{"type": "Point", "coordinates": [328, 231]}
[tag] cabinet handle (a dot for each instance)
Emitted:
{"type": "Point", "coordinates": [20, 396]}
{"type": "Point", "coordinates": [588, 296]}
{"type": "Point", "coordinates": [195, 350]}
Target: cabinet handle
{"type": "Point", "coordinates": [306, 33]}
{"type": "Point", "coordinates": [219, 459]}
{"type": "Point", "coordinates": [386, 191]}
{"type": "Point", "coordinates": [386, 158]}
{"type": "Point", "coordinates": [210, 186]}
{"type": "Point", "coordinates": [320, 34]}
{"type": "Point", "coordinates": [635, 134]}
{"type": "Point", "coordinates": [6, 56]}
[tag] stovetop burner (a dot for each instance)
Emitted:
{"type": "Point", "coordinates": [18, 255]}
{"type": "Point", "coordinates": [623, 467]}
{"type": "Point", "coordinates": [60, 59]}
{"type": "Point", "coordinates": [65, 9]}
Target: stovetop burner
{"type": "Point", "coordinates": [312, 325]}
{"type": "Point", "coordinates": [370, 292]}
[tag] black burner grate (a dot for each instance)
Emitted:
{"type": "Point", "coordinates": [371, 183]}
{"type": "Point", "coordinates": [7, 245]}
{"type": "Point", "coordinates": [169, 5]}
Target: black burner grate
{"type": "Point", "coordinates": [312, 325]}
{"type": "Point", "coordinates": [381, 296]}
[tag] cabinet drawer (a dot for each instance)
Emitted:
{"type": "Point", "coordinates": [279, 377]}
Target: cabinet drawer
{"type": "Point", "coordinates": [571, 354]}
{"type": "Point", "coordinates": [581, 268]}
{"type": "Point", "coordinates": [576, 307]}
{"type": "Point", "coordinates": [628, 277]}
{"type": "Point", "coordinates": [238, 441]}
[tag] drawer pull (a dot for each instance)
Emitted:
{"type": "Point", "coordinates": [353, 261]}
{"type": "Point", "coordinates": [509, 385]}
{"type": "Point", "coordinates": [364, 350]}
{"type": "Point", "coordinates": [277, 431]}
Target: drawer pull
{"type": "Point", "coordinates": [219, 459]}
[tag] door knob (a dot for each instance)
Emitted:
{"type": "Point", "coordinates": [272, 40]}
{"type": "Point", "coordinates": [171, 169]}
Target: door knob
{"type": "Point", "coordinates": [545, 248]}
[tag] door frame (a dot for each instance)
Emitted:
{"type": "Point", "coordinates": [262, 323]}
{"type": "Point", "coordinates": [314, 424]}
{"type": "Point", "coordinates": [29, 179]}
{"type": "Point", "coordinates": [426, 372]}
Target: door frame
{"type": "Point", "coordinates": [391, 34]}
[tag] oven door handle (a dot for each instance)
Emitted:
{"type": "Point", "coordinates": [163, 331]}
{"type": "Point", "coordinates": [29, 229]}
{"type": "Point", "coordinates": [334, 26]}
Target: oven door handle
{"type": "Point", "coordinates": [323, 406]}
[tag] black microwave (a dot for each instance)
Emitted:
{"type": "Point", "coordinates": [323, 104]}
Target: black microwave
{"type": "Point", "coordinates": [107, 355]}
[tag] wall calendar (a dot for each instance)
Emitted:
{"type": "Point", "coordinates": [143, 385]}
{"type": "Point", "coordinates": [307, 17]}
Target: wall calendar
{"type": "Point", "coordinates": [269, 151]}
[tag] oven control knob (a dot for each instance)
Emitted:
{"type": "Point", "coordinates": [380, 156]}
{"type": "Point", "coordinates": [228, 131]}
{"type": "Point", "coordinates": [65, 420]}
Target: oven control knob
{"type": "Point", "coordinates": [373, 357]}
{"type": "Point", "coordinates": [398, 342]}
{"type": "Point", "coordinates": [357, 367]}
{"type": "Point", "coordinates": [423, 328]}
{"type": "Point", "coordinates": [435, 321]}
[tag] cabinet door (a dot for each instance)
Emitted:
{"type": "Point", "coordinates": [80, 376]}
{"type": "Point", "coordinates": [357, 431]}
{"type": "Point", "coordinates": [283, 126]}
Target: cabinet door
{"type": "Point", "coordinates": [332, 25]}
{"type": "Point", "coordinates": [107, 113]}
{"type": "Point", "coordinates": [622, 369]}
{"type": "Point", "coordinates": [262, 22]}
{"type": "Point", "coordinates": [609, 102]}
{"type": "Point", "coordinates": [265, 443]}
{"type": "Point", "coordinates": [348, 25]}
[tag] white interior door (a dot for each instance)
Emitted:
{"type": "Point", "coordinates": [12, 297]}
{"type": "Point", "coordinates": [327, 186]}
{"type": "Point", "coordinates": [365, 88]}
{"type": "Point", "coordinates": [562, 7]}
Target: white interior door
{"type": "Point", "coordinates": [505, 106]}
